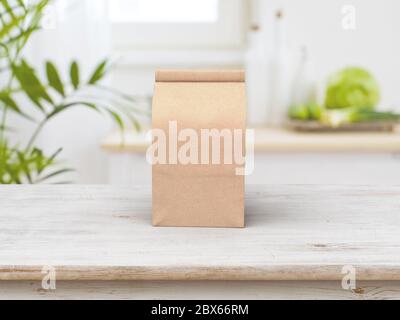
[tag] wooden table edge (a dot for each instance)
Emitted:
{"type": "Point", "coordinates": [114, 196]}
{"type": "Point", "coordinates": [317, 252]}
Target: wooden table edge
{"type": "Point", "coordinates": [304, 272]}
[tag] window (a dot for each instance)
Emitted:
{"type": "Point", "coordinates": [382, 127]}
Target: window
{"type": "Point", "coordinates": [162, 11]}
{"type": "Point", "coordinates": [174, 24]}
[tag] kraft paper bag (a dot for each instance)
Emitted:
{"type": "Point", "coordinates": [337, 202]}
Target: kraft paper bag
{"type": "Point", "coordinates": [187, 189]}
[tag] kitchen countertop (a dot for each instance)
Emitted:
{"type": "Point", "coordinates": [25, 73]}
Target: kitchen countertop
{"type": "Point", "coordinates": [293, 232]}
{"type": "Point", "coordinates": [281, 140]}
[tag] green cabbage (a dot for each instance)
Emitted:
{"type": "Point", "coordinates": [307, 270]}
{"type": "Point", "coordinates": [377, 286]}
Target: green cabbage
{"type": "Point", "coordinates": [352, 87]}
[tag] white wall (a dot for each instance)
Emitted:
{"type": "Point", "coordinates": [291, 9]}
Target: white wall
{"type": "Point", "coordinates": [374, 44]}
{"type": "Point", "coordinates": [316, 24]}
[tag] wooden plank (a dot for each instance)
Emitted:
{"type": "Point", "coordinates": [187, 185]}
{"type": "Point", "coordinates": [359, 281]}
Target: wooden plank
{"type": "Point", "coordinates": [281, 140]}
{"type": "Point", "coordinates": [207, 290]}
{"type": "Point", "coordinates": [301, 232]}
{"type": "Point", "coordinates": [316, 126]}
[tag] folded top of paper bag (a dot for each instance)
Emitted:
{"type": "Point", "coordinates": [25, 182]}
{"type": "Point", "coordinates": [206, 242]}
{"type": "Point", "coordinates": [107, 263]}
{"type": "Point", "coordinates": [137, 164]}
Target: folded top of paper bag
{"type": "Point", "coordinates": [200, 76]}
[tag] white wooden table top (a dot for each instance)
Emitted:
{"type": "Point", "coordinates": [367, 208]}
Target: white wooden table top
{"type": "Point", "coordinates": [280, 140]}
{"type": "Point", "coordinates": [297, 232]}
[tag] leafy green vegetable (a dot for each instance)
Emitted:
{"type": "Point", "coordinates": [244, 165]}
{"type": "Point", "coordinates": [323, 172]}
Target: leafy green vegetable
{"type": "Point", "coordinates": [310, 111]}
{"type": "Point", "coordinates": [298, 112]}
{"type": "Point", "coordinates": [352, 87]}
{"type": "Point", "coordinates": [314, 110]}
{"type": "Point", "coordinates": [339, 117]}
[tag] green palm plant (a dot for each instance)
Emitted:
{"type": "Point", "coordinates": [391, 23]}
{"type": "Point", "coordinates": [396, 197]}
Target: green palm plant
{"type": "Point", "coordinates": [48, 98]}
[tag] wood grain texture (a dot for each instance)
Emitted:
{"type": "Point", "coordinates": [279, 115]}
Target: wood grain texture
{"type": "Point", "coordinates": [297, 232]}
{"type": "Point", "coordinates": [205, 290]}
{"type": "Point", "coordinates": [281, 140]}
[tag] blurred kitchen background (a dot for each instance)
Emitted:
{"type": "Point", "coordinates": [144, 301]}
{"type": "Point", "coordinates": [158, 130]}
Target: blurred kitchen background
{"type": "Point", "coordinates": [289, 49]}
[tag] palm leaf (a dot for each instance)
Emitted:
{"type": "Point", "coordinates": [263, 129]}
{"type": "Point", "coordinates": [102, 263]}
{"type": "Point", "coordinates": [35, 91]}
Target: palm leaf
{"type": "Point", "coordinates": [10, 102]}
{"type": "Point", "coordinates": [54, 78]}
{"type": "Point", "coordinates": [30, 84]}
{"type": "Point", "coordinates": [74, 74]}
{"type": "Point", "coordinates": [24, 163]}
{"type": "Point", "coordinates": [115, 116]}
{"type": "Point", "coordinates": [54, 174]}
{"type": "Point", "coordinates": [8, 27]}
{"type": "Point", "coordinates": [98, 73]}
{"type": "Point", "coordinates": [63, 107]}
